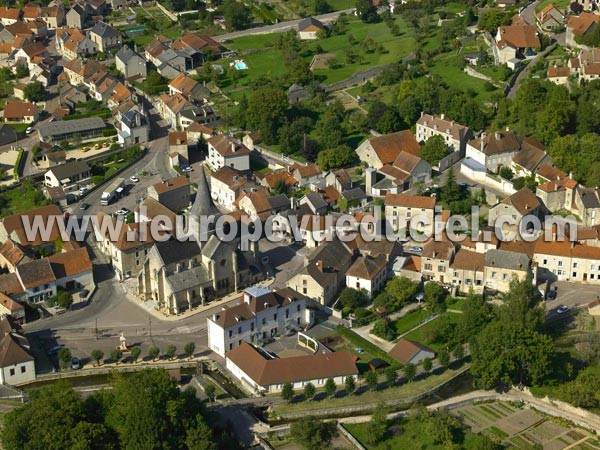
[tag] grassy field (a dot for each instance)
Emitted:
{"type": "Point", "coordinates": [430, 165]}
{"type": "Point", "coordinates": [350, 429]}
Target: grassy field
{"type": "Point", "coordinates": [419, 334]}
{"type": "Point", "coordinates": [266, 60]}
{"type": "Point", "coordinates": [409, 321]}
{"type": "Point", "coordinates": [406, 390]}
{"type": "Point", "coordinates": [21, 198]}
{"type": "Point", "coordinates": [446, 68]}
{"type": "Point", "coordinates": [406, 433]}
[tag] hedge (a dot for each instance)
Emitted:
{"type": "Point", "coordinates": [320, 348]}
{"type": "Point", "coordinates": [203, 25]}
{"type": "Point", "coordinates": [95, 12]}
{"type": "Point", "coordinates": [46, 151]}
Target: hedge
{"type": "Point", "coordinates": [359, 341]}
{"type": "Point", "coordinates": [109, 132]}
{"type": "Point", "coordinates": [18, 164]}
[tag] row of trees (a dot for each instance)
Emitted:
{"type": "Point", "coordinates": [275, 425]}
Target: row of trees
{"type": "Point", "coordinates": [153, 352]}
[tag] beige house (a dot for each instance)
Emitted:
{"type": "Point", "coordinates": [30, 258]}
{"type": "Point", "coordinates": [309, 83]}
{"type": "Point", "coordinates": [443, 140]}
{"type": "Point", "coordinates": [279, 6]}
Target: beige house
{"type": "Point", "coordinates": [404, 211]}
{"type": "Point", "coordinates": [455, 135]}
{"type": "Point", "coordinates": [380, 150]}
{"type": "Point", "coordinates": [20, 112]}
{"type": "Point", "coordinates": [324, 273]}
{"type": "Point", "coordinates": [501, 266]}
{"type": "Point", "coordinates": [568, 261]}
{"type": "Point", "coordinates": [519, 205]}
{"type": "Point", "coordinates": [368, 273]}
{"type": "Point", "coordinates": [309, 28]}
{"type": "Point", "coordinates": [435, 261]}
{"type": "Point", "coordinates": [468, 270]}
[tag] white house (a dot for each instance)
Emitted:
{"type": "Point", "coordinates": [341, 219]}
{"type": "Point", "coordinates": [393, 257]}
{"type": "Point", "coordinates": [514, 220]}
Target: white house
{"type": "Point", "coordinates": [261, 315]}
{"type": "Point", "coordinates": [226, 185]}
{"type": "Point", "coordinates": [134, 128]}
{"type": "Point", "coordinates": [368, 273]}
{"type": "Point", "coordinates": [17, 364]}
{"type": "Point", "coordinates": [224, 151]}
{"type": "Point", "coordinates": [67, 174]}
{"type": "Point", "coordinates": [262, 373]}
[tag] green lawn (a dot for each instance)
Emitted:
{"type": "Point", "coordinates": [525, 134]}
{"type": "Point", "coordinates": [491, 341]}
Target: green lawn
{"type": "Point", "coordinates": [404, 391]}
{"type": "Point", "coordinates": [21, 198]}
{"type": "Point", "coordinates": [446, 68]}
{"type": "Point", "coordinates": [266, 60]}
{"type": "Point", "coordinates": [456, 303]}
{"type": "Point", "coordinates": [419, 334]}
{"type": "Point", "coordinates": [560, 4]}
{"type": "Point", "coordinates": [409, 321]}
{"type": "Point", "coordinates": [411, 435]}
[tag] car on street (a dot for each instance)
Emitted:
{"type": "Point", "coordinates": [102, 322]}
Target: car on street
{"type": "Point", "coordinates": [188, 169]}
{"type": "Point", "coordinates": [84, 206]}
{"type": "Point", "coordinates": [83, 190]}
{"type": "Point", "coordinates": [123, 212]}
{"type": "Point", "coordinates": [84, 293]}
{"type": "Point", "coordinates": [134, 179]}
{"type": "Point", "coordinates": [54, 350]}
{"type": "Point", "coordinates": [29, 130]}
{"type": "Point", "coordinates": [75, 363]}
{"type": "Point", "coordinates": [551, 294]}
{"type": "Point", "coordinates": [415, 249]}
{"type": "Point", "coordinates": [562, 309]}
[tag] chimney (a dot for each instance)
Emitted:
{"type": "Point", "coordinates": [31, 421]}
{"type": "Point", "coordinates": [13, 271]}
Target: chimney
{"type": "Point", "coordinates": [481, 144]}
{"type": "Point", "coordinates": [191, 263]}
{"type": "Point", "coordinates": [570, 175]}
{"type": "Point", "coordinates": [443, 116]}
{"type": "Point", "coordinates": [292, 203]}
{"type": "Point", "coordinates": [422, 113]}
{"type": "Point", "coordinates": [507, 128]}
{"type": "Point", "coordinates": [179, 268]}
{"type": "Point", "coordinates": [320, 265]}
{"type": "Point", "coordinates": [233, 147]}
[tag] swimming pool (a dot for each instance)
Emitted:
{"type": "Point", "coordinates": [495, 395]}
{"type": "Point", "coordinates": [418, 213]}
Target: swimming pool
{"type": "Point", "coordinates": [240, 65]}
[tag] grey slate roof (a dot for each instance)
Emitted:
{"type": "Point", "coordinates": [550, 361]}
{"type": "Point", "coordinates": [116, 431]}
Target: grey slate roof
{"type": "Point", "coordinates": [354, 194]}
{"type": "Point", "coordinates": [70, 126]}
{"type": "Point", "coordinates": [203, 204]}
{"type": "Point", "coordinates": [278, 201]}
{"type": "Point", "coordinates": [316, 200]}
{"type": "Point", "coordinates": [69, 169]}
{"type": "Point", "coordinates": [104, 30]}
{"type": "Point", "coordinates": [188, 278]}
{"type": "Point", "coordinates": [307, 22]}
{"type": "Point", "coordinates": [503, 259]}
{"type": "Point", "coordinates": [589, 198]}
{"type": "Point", "coordinates": [125, 54]}
{"type": "Point", "coordinates": [174, 251]}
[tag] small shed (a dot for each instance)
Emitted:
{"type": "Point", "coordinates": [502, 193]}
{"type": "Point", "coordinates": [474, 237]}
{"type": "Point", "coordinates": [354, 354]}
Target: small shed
{"type": "Point", "coordinates": [376, 364]}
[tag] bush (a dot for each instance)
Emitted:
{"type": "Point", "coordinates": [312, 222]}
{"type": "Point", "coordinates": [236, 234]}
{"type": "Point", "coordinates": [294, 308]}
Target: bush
{"type": "Point", "coordinates": [109, 132]}
{"type": "Point", "coordinates": [18, 163]}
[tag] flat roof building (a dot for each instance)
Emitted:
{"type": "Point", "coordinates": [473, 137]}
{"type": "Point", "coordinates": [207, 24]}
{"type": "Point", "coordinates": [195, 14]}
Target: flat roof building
{"type": "Point", "coordinates": [66, 130]}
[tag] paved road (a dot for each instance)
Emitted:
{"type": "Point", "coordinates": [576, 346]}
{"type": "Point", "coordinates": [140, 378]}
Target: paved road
{"type": "Point", "coordinates": [528, 13]}
{"type": "Point", "coordinates": [280, 27]}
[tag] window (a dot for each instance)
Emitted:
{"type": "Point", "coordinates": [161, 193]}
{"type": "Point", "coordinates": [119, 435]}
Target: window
{"type": "Point", "coordinates": [574, 265]}
{"type": "Point", "coordinates": [494, 274]}
{"type": "Point", "coordinates": [545, 261]}
{"type": "Point", "coordinates": [12, 372]}
{"type": "Point", "coordinates": [239, 330]}
{"type": "Point", "coordinates": [264, 320]}
{"type": "Point", "coordinates": [287, 313]}
{"type": "Point", "coordinates": [275, 316]}
{"type": "Point", "coordinates": [468, 281]}
{"type": "Point", "coordinates": [23, 369]}
{"type": "Point", "coordinates": [304, 290]}
{"type": "Point", "coordinates": [252, 326]}
{"type": "Point", "coordinates": [560, 263]}
{"type": "Point", "coordinates": [427, 266]}
{"type": "Point", "coordinates": [574, 274]}
{"type": "Point", "coordinates": [298, 308]}
{"type": "Point", "coordinates": [505, 276]}
{"type": "Point", "coordinates": [230, 333]}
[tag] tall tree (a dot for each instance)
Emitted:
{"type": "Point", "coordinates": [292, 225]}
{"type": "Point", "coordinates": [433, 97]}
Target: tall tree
{"type": "Point", "coordinates": [266, 112]}
{"type": "Point", "coordinates": [237, 15]}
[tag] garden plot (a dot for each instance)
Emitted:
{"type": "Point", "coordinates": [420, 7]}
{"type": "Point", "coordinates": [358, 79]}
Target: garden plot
{"type": "Point", "coordinates": [524, 428]}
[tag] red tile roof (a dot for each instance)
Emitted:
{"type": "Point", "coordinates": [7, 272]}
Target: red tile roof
{"type": "Point", "coordinates": [405, 350]}
{"type": "Point", "coordinates": [389, 146]}
{"type": "Point", "coordinates": [411, 201]}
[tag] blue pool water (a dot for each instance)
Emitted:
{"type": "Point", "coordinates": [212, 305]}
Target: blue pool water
{"type": "Point", "coordinates": [240, 65]}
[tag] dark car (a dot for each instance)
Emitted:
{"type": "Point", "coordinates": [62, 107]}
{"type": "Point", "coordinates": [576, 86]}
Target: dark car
{"type": "Point", "coordinates": [84, 206]}
{"type": "Point", "coordinates": [54, 350]}
{"type": "Point", "coordinates": [83, 293]}
{"type": "Point", "coordinates": [75, 363]}
{"type": "Point", "coordinates": [551, 294]}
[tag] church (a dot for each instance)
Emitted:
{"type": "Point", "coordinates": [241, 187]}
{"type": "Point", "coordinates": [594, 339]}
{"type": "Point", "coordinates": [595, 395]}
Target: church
{"type": "Point", "coordinates": [179, 275]}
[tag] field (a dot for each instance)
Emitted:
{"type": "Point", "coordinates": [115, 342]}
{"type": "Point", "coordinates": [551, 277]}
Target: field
{"type": "Point", "coordinates": [263, 58]}
{"type": "Point", "coordinates": [406, 433]}
{"type": "Point", "coordinates": [419, 335]}
{"type": "Point", "coordinates": [409, 321]}
{"type": "Point", "coordinates": [524, 428]}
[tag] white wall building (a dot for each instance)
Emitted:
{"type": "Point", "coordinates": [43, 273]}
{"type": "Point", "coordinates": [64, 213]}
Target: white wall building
{"type": "Point", "coordinates": [224, 151]}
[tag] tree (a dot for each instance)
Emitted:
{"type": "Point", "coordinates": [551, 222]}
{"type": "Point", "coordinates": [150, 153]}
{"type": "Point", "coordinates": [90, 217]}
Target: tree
{"type": "Point", "coordinates": [506, 353]}
{"type": "Point", "coordinates": [352, 298]}
{"type": "Point", "coordinates": [210, 390]}
{"type": "Point", "coordinates": [410, 371]}
{"type": "Point", "coordinates": [237, 15]}
{"type": "Point", "coordinates": [434, 150]}
{"type": "Point", "coordinates": [135, 353]}
{"type": "Point", "coordinates": [321, 7]}
{"type": "Point", "coordinates": [340, 156]}
{"type": "Point", "coordinates": [309, 391]}
{"type": "Point", "coordinates": [427, 364]}
{"type": "Point", "coordinates": [153, 352]}
{"type": "Point", "coordinates": [390, 376]}
{"type": "Point", "coordinates": [35, 92]}
{"type": "Point", "coordinates": [458, 352]}
{"type": "Point", "coordinates": [401, 290]}
{"type": "Point", "coordinates": [171, 351]}
{"type": "Point", "coordinates": [287, 392]}
{"type": "Point", "coordinates": [377, 426]}
{"type": "Point", "coordinates": [62, 298]}
{"type": "Point", "coordinates": [64, 357]}
{"type": "Point", "coordinates": [189, 349]}
{"type": "Point", "coordinates": [350, 385]}
{"type": "Point", "coordinates": [97, 355]}
{"type": "Point", "coordinates": [266, 111]}
{"type": "Point", "coordinates": [311, 433]}
{"type": "Point", "coordinates": [371, 379]}
{"type": "Point", "coordinates": [443, 358]}
{"type": "Point", "coordinates": [22, 71]}
{"type": "Point", "coordinates": [330, 387]}
{"type": "Point", "coordinates": [366, 11]}
{"type": "Point", "coordinates": [116, 355]}
{"type": "Point", "coordinates": [451, 191]}
{"type": "Point", "coordinates": [476, 314]}
{"type": "Point", "coordinates": [434, 295]}
{"type": "Point", "coordinates": [382, 330]}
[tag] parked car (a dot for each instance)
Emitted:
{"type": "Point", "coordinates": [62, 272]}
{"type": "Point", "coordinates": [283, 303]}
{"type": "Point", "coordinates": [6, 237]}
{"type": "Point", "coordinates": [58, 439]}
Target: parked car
{"type": "Point", "coordinates": [83, 190]}
{"type": "Point", "coordinates": [123, 212]}
{"type": "Point", "coordinates": [84, 293]}
{"type": "Point", "coordinates": [134, 179]}
{"type": "Point", "coordinates": [75, 363]}
{"type": "Point", "coordinates": [552, 294]}
{"type": "Point", "coordinates": [29, 130]}
{"type": "Point", "coordinates": [415, 249]}
{"type": "Point", "coordinates": [562, 309]}
{"type": "Point", "coordinates": [84, 206]}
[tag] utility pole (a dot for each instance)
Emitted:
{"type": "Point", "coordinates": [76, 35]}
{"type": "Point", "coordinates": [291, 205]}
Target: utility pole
{"type": "Point", "coordinates": [96, 328]}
